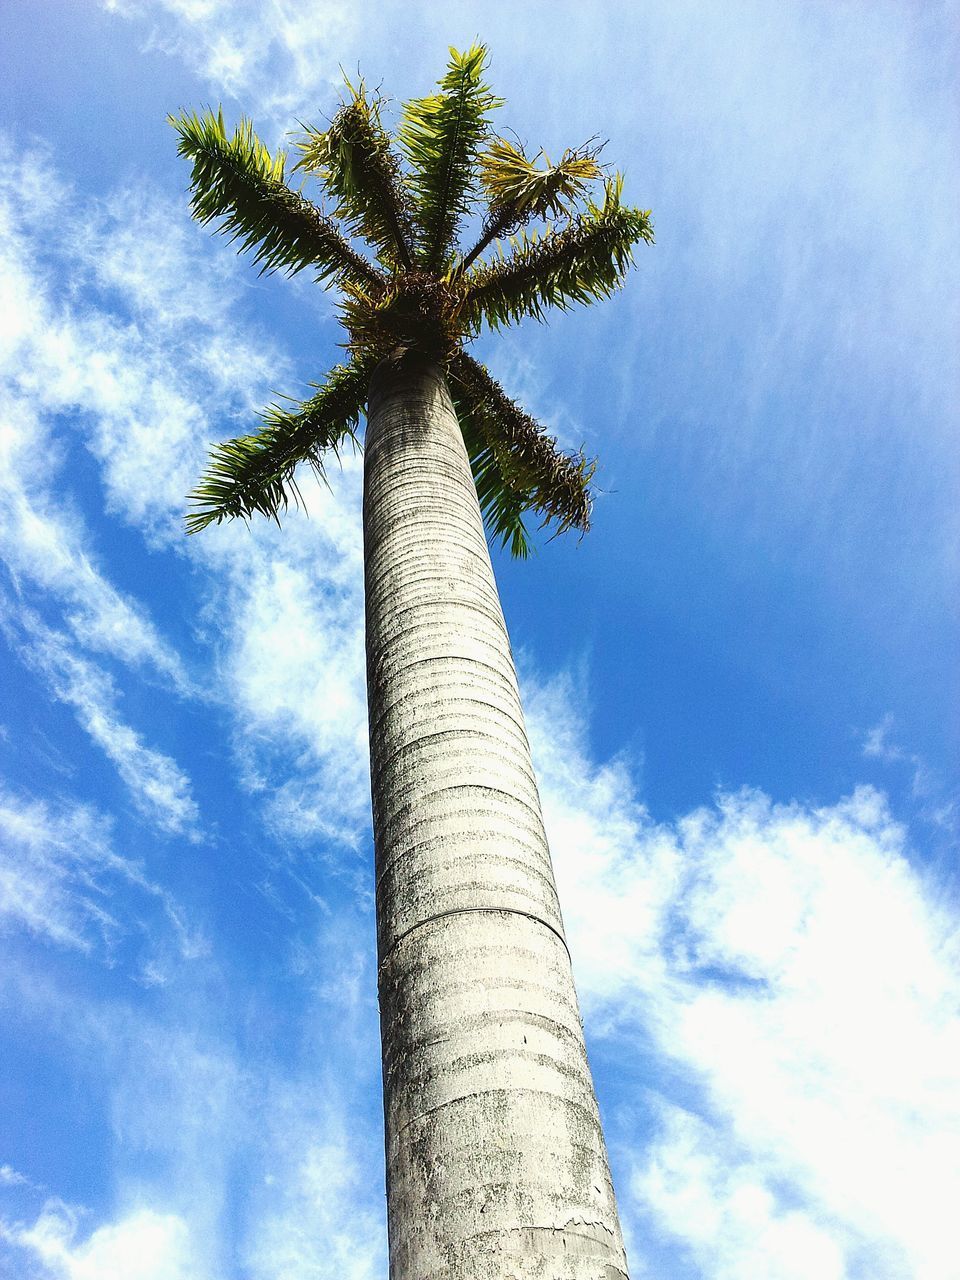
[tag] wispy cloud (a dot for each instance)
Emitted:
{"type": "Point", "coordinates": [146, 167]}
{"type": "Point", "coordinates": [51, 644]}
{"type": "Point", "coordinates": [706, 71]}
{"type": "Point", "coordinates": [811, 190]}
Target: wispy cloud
{"type": "Point", "coordinates": [730, 1220]}
{"type": "Point", "coordinates": [936, 804]}
{"type": "Point", "coordinates": [283, 619]}
{"type": "Point", "coordinates": [318, 1212]}
{"type": "Point", "coordinates": [295, 667]}
{"type": "Point", "coordinates": [313, 1219]}
{"type": "Point", "coordinates": [157, 786]}
{"type": "Point", "coordinates": [45, 546]}
{"type": "Point", "coordinates": [226, 1155]}
{"type": "Point", "coordinates": [62, 880]}
{"type": "Point", "coordinates": [148, 359]}
{"type": "Point", "coordinates": [42, 538]}
{"type": "Point", "coordinates": [231, 46]}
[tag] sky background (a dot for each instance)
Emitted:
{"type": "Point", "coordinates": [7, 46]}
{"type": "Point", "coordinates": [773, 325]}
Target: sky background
{"type": "Point", "coordinates": [741, 687]}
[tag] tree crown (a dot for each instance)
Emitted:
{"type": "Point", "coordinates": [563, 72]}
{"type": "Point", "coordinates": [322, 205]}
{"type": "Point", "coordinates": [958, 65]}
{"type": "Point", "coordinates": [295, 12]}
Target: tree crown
{"type": "Point", "coordinates": [408, 199]}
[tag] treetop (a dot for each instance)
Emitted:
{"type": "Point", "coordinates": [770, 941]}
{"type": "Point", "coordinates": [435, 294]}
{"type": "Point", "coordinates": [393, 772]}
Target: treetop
{"type": "Point", "coordinates": [550, 235]}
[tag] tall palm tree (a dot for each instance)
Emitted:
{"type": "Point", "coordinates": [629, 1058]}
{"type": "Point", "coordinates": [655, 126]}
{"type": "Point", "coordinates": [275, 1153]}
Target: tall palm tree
{"type": "Point", "coordinates": [495, 1158]}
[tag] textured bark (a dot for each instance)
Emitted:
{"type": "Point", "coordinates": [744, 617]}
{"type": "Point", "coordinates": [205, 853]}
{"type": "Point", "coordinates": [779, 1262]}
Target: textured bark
{"type": "Point", "coordinates": [496, 1166]}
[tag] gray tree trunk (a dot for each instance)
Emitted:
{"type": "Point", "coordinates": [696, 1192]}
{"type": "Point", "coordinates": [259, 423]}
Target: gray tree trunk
{"type": "Point", "coordinates": [496, 1165]}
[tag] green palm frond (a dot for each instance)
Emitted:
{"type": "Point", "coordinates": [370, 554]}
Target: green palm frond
{"type": "Point", "coordinates": [518, 191]}
{"type": "Point", "coordinates": [237, 181]}
{"type": "Point", "coordinates": [585, 261]}
{"type": "Point", "coordinates": [256, 473]}
{"type": "Point", "coordinates": [426, 299]}
{"type": "Point", "coordinates": [356, 164]}
{"type": "Point", "coordinates": [536, 474]}
{"type": "Point", "coordinates": [441, 137]}
{"type": "Point", "coordinates": [501, 505]}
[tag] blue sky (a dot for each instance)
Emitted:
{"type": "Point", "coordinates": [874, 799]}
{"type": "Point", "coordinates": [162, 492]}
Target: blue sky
{"type": "Point", "coordinates": [741, 687]}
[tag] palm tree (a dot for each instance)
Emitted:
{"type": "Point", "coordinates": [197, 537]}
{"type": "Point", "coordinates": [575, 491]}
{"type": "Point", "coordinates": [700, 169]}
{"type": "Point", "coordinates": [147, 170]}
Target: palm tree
{"type": "Point", "coordinates": [496, 1163]}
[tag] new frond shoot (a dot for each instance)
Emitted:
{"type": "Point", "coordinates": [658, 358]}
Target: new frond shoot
{"type": "Point", "coordinates": [441, 137]}
{"type": "Point", "coordinates": [519, 192]}
{"type": "Point", "coordinates": [406, 199]}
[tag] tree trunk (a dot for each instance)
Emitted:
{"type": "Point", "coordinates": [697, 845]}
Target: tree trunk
{"type": "Point", "coordinates": [496, 1164]}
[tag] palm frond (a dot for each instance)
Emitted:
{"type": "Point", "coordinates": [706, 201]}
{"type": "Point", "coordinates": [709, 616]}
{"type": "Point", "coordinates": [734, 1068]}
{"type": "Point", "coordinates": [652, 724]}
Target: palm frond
{"type": "Point", "coordinates": [501, 505]}
{"type": "Point", "coordinates": [237, 181]}
{"type": "Point", "coordinates": [441, 137]}
{"type": "Point", "coordinates": [256, 473]}
{"type": "Point", "coordinates": [356, 164]}
{"type": "Point", "coordinates": [532, 472]}
{"type": "Point", "coordinates": [518, 191]}
{"type": "Point", "coordinates": [584, 261]}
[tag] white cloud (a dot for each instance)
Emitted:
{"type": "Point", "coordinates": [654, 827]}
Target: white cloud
{"type": "Point", "coordinates": [252, 1153]}
{"type": "Point", "coordinates": [45, 860]}
{"type": "Point", "coordinates": [321, 1232]}
{"type": "Point", "coordinates": [295, 668]}
{"type": "Point", "coordinates": [313, 1214]}
{"type": "Point", "coordinates": [318, 1212]}
{"type": "Point", "coordinates": [797, 975]}
{"type": "Point", "coordinates": [157, 786]}
{"type": "Point", "coordinates": [42, 539]}
{"type": "Point", "coordinates": [46, 545]}
{"type": "Point", "coordinates": [275, 52]}
{"type": "Point", "coordinates": [310, 1205]}
{"type": "Point", "coordinates": [936, 805]}
{"type": "Point", "coordinates": [144, 1245]}
{"type": "Point", "coordinates": [733, 1224]}
{"type": "Point", "coordinates": [148, 386]}
{"type": "Point", "coordinates": [284, 615]}
{"type": "Point", "coordinates": [876, 742]}
{"type": "Point", "coordinates": [61, 880]}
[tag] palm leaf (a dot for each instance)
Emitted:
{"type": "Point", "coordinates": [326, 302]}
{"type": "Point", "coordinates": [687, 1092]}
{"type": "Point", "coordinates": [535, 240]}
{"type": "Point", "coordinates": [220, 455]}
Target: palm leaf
{"type": "Point", "coordinates": [256, 473]}
{"type": "Point", "coordinates": [585, 261]}
{"type": "Point", "coordinates": [532, 472]}
{"type": "Point", "coordinates": [356, 164]}
{"type": "Point", "coordinates": [501, 505]}
{"type": "Point", "coordinates": [237, 181]}
{"type": "Point", "coordinates": [441, 136]}
{"type": "Point", "coordinates": [518, 191]}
